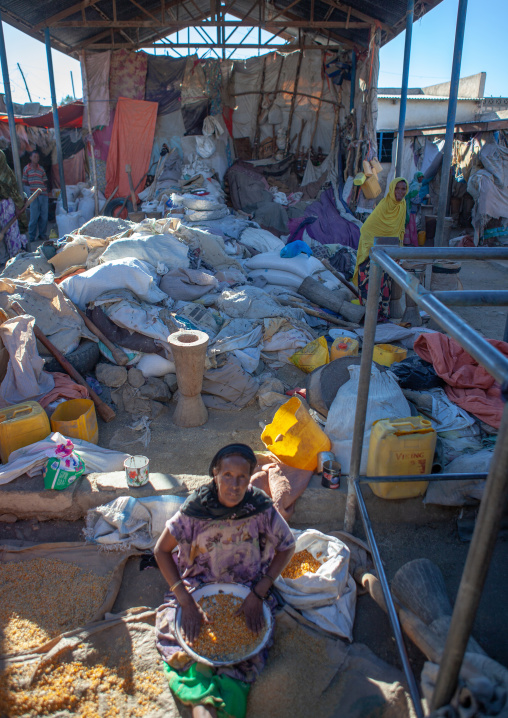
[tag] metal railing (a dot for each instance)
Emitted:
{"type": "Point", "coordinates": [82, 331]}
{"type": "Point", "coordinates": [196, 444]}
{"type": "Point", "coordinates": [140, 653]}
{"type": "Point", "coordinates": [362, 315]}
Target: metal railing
{"type": "Point", "coordinates": [383, 259]}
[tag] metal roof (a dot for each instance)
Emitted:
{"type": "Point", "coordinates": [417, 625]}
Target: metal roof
{"type": "Point", "coordinates": [434, 98]}
{"type": "Point", "coordinates": [102, 24]}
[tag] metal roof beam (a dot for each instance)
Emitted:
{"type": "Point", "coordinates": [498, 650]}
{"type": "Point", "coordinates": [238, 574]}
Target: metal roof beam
{"type": "Point", "coordinates": [174, 26]}
{"type": "Point", "coordinates": [72, 10]}
{"type": "Point", "coordinates": [350, 10]}
{"type": "Point", "coordinates": [282, 48]}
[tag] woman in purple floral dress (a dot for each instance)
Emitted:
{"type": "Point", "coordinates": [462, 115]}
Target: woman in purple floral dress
{"type": "Point", "coordinates": [227, 531]}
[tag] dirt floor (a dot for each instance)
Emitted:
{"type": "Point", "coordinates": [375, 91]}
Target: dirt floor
{"type": "Point", "coordinates": [175, 450]}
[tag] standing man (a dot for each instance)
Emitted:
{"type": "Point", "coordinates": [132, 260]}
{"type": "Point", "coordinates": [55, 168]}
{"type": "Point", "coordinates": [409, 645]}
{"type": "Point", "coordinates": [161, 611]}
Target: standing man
{"type": "Point", "coordinates": [34, 177]}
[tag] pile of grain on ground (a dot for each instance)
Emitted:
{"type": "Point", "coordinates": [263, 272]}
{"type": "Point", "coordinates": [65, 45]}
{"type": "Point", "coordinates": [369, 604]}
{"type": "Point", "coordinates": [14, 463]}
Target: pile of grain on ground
{"type": "Point", "coordinates": [104, 227]}
{"type": "Point", "coordinates": [84, 691]}
{"type": "Point", "coordinates": [41, 598]}
{"type": "Point", "coordinates": [226, 637]}
{"type": "Point", "coordinates": [301, 562]}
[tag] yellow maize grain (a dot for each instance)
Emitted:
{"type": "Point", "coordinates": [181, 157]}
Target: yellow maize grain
{"type": "Point", "coordinates": [124, 689]}
{"type": "Point", "coordinates": [301, 563]}
{"type": "Point", "coordinates": [227, 636]}
{"type": "Point", "coordinates": [41, 598]}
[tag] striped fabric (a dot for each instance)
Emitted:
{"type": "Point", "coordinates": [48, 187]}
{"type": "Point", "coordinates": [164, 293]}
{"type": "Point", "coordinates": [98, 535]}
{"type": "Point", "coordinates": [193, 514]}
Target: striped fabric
{"type": "Point", "coordinates": [35, 178]}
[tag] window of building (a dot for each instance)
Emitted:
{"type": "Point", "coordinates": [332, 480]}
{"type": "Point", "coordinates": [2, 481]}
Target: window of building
{"type": "Point", "coordinates": [385, 142]}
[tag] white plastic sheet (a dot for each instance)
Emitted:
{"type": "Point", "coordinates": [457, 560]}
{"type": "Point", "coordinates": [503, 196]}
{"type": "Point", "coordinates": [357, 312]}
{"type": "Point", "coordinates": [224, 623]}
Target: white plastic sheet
{"type": "Point", "coordinates": [32, 459]}
{"type": "Point", "coordinates": [139, 277]}
{"type": "Point", "coordinates": [327, 597]}
{"type": "Point", "coordinates": [153, 249]}
{"type": "Point", "coordinates": [301, 266]}
{"type": "Point", "coordinates": [386, 401]}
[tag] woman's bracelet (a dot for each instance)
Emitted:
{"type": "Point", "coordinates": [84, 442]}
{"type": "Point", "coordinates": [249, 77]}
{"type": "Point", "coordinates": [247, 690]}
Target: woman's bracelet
{"type": "Point", "coordinates": [175, 585]}
{"type": "Point", "coordinates": [267, 575]}
{"type": "Point", "coordinates": [261, 598]}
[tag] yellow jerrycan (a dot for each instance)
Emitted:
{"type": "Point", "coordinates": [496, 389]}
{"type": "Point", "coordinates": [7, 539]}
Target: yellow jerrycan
{"type": "Point", "coordinates": [398, 447]}
{"type": "Point", "coordinates": [294, 437]}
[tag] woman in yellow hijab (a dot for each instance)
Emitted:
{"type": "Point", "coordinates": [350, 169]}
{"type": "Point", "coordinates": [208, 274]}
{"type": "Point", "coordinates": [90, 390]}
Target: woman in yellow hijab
{"type": "Point", "coordinates": [387, 220]}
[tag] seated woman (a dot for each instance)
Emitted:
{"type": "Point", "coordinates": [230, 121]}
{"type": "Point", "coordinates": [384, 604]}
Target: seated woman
{"type": "Point", "coordinates": [387, 220]}
{"type": "Point", "coordinates": [227, 531]}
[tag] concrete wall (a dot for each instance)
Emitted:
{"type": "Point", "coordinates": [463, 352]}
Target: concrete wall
{"type": "Point", "coordinates": [423, 113]}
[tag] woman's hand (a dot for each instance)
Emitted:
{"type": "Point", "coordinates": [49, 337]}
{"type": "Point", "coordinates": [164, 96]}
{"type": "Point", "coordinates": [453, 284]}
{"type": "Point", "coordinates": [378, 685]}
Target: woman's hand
{"type": "Point", "coordinates": [192, 618]}
{"type": "Point", "coordinates": [252, 608]}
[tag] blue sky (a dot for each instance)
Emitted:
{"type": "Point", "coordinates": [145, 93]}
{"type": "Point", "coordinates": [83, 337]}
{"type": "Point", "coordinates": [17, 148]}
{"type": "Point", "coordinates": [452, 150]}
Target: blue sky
{"type": "Point", "coordinates": [431, 58]}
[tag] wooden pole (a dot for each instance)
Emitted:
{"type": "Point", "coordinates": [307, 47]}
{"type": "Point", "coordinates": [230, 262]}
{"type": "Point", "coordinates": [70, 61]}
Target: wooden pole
{"type": "Point", "coordinates": [260, 110]}
{"type": "Point", "coordinates": [89, 122]}
{"type": "Point", "coordinates": [293, 102]}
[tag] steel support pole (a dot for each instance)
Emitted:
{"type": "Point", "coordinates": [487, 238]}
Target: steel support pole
{"type": "Point", "coordinates": [450, 123]}
{"type": "Point", "coordinates": [363, 391]}
{"type": "Point", "coordinates": [353, 82]}
{"type": "Point", "coordinates": [474, 298]}
{"type": "Point", "coordinates": [485, 354]}
{"type": "Point", "coordinates": [405, 82]}
{"type": "Point", "coordinates": [475, 571]}
{"type": "Point", "coordinates": [10, 109]}
{"type": "Point", "coordinates": [390, 607]}
{"type": "Point", "coordinates": [56, 121]}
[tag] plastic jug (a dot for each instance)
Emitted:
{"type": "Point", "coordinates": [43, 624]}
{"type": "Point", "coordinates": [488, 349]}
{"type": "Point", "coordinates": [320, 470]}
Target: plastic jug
{"type": "Point", "coordinates": [387, 354]}
{"type": "Point", "coordinates": [76, 419]}
{"type": "Point", "coordinates": [21, 425]}
{"type": "Point", "coordinates": [398, 447]}
{"type": "Point", "coordinates": [294, 437]}
{"type": "Point", "coordinates": [344, 347]}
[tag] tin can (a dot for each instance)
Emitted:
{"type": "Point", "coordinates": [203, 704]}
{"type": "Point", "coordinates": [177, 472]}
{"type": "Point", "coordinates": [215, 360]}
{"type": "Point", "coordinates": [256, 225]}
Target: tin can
{"type": "Point", "coordinates": [331, 475]}
{"type": "Point", "coordinates": [136, 471]}
{"type": "Point", "coordinates": [322, 457]}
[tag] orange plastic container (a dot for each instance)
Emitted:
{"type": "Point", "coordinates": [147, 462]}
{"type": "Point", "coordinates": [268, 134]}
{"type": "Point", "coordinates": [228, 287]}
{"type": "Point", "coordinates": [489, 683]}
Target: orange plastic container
{"type": "Point", "coordinates": [21, 425]}
{"type": "Point", "coordinates": [76, 419]}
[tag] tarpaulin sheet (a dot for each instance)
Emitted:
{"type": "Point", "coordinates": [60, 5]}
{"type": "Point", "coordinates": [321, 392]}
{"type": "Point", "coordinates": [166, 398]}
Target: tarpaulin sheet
{"type": "Point", "coordinates": [70, 115]}
{"type": "Point", "coordinates": [164, 79]}
{"type": "Point", "coordinates": [127, 75]}
{"type": "Point", "coordinates": [131, 144]}
{"type": "Point", "coordinates": [97, 67]}
{"type": "Point", "coordinates": [467, 383]}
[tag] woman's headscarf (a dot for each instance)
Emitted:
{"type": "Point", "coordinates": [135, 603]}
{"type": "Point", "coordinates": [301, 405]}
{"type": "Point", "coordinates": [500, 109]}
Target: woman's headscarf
{"type": "Point", "coordinates": [204, 503]}
{"type": "Point", "coordinates": [387, 220]}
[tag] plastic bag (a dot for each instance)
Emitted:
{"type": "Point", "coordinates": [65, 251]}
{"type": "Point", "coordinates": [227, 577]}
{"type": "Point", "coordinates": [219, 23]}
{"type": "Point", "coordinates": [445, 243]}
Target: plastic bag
{"type": "Point", "coordinates": [386, 401]}
{"type": "Point", "coordinates": [312, 356]}
{"type": "Point", "coordinates": [466, 492]}
{"type": "Point", "coordinates": [293, 249]}
{"type": "Point", "coordinates": [328, 596]}
{"type": "Point", "coordinates": [415, 373]}
{"type": "Point", "coordinates": [155, 365]}
{"type": "Point", "coordinates": [63, 468]}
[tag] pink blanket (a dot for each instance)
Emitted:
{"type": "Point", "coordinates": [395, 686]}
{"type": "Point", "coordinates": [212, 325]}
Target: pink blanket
{"type": "Point", "coordinates": [65, 388]}
{"type": "Point", "coordinates": [468, 384]}
{"type": "Point", "coordinates": [283, 483]}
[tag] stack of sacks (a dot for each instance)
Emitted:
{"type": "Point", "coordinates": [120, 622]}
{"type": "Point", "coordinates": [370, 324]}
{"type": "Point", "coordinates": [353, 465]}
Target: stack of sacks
{"type": "Point", "coordinates": [288, 272]}
{"type": "Point", "coordinates": [201, 207]}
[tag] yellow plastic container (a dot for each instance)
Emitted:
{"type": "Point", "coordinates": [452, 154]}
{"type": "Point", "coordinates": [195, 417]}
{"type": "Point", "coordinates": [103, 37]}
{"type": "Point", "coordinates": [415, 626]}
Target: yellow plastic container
{"type": "Point", "coordinates": [371, 187]}
{"type": "Point", "coordinates": [387, 354]}
{"type": "Point", "coordinates": [76, 419]}
{"type": "Point", "coordinates": [294, 437]}
{"type": "Point", "coordinates": [398, 447]}
{"type": "Point", "coordinates": [344, 347]}
{"type": "Point", "coordinates": [422, 236]}
{"type": "Point", "coordinates": [21, 425]}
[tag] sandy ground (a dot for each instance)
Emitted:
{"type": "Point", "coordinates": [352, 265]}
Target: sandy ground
{"type": "Point", "coordinates": [176, 450]}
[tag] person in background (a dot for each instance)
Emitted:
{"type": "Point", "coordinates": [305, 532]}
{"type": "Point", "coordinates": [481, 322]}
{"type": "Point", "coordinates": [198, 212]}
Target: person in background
{"type": "Point", "coordinates": [387, 220]}
{"type": "Point", "coordinates": [11, 201]}
{"type": "Point", "coordinates": [34, 177]}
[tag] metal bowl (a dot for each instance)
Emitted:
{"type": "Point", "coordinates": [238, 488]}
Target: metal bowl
{"type": "Point", "coordinates": [211, 589]}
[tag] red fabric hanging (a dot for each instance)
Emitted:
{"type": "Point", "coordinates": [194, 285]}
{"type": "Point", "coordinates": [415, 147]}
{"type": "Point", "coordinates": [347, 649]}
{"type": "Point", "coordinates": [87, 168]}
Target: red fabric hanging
{"type": "Point", "coordinates": [131, 144]}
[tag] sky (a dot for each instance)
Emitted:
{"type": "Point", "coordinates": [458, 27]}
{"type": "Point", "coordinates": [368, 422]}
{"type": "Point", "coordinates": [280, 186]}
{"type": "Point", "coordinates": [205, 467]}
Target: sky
{"type": "Point", "coordinates": [431, 55]}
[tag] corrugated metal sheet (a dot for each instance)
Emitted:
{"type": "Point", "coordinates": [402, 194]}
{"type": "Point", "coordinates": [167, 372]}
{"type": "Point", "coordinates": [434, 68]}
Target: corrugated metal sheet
{"type": "Point", "coordinates": [27, 14]}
